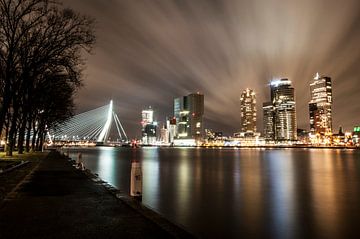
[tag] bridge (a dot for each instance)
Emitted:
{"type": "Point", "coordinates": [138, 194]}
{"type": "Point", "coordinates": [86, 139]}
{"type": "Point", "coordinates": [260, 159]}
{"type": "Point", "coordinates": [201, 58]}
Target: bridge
{"type": "Point", "coordinates": [94, 126]}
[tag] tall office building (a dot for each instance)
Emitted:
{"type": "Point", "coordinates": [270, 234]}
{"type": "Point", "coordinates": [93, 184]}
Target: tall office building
{"type": "Point", "coordinates": [181, 114]}
{"type": "Point", "coordinates": [188, 112]}
{"type": "Point", "coordinates": [282, 110]}
{"type": "Point", "coordinates": [268, 121]}
{"type": "Point", "coordinates": [171, 126]}
{"type": "Point", "coordinates": [283, 98]}
{"type": "Point", "coordinates": [320, 105]}
{"type": "Point", "coordinates": [164, 135]}
{"type": "Point", "coordinates": [248, 111]}
{"type": "Point", "coordinates": [149, 126]}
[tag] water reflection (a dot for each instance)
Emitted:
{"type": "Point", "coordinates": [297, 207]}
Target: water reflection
{"type": "Point", "coordinates": [106, 164]}
{"type": "Point", "coordinates": [281, 181]}
{"type": "Point", "coordinates": [182, 185]}
{"type": "Point", "coordinates": [328, 189]}
{"type": "Point", "coordinates": [151, 182]}
{"type": "Point", "coordinates": [250, 193]}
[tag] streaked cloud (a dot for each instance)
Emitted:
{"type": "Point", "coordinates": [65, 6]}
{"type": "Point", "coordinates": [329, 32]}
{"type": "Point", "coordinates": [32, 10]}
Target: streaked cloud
{"type": "Point", "coordinates": [149, 52]}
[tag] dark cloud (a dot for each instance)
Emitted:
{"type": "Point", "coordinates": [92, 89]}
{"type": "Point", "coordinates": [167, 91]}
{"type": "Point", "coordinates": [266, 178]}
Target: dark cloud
{"type": "Point", "coordinates": [149, 52]}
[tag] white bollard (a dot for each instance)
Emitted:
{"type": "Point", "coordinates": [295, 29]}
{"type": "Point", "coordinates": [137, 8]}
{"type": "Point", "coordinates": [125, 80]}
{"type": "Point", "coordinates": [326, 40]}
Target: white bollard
{"type": "Point", "coordinates": [136, 180]}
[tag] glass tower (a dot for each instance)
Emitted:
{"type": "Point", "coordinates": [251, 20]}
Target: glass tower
{"type": "Point", "coordinates": [248, 111]}
{"type": "Point", "coordinates": [320, 105]}
{"type": "Point", "coordinates": [149, 126]}
{"type": "Point", "coordinates": [280, 114]}
{"type": "Point", "coordinates": [188, 112]}
{"type": "Point", "coordinates": [268, 121]}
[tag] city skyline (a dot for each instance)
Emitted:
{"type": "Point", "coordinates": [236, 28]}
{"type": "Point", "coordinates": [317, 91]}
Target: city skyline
{"type": "Point", "coordinates": [279, 114]}
{"type": "Point", "coordinates": [149, 53]}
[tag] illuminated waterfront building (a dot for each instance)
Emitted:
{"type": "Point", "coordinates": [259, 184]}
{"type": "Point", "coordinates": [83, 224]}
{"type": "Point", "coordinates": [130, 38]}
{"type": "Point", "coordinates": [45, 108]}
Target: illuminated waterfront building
{"type": "Point", "coordinates": [182, 117]}
{"type": "Point", "coordinates": [268, 121]}
{"type": "Point", "coordinates": [339, 138]}
{"type": "Point", "coordinates": [283, 99]}
{"type": "Point", "coordinates": [280, 114]}
{"type": "Point", "coordinates": [356, 135]}
{"type": "Point", "coordinates": [248, 111]}
{"type": "Point", "coordinates": [164, 135]}
{"type": "Point", "coordinates": [188, 112]}
{"type": "Point", "coordinates": [171, 127]}
{"type": "Point", "coordinates": [149, 126]}
{"type": "Point", "coordinates": [320, 105]}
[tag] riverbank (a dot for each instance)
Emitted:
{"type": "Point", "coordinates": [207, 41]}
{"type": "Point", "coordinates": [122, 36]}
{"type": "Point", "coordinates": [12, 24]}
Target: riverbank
{"type": "Point", "coordinates": [57, 201]}
{"type": "Point", "coordinates": [13, 169]}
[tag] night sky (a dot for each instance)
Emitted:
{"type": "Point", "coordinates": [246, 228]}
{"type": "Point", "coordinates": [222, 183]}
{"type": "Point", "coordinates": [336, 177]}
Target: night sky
{"type": "Point", "coordinates": [149, 52]}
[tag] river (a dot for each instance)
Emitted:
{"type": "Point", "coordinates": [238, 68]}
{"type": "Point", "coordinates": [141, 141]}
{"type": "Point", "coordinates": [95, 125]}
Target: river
{"type": "Point", "coordinates": [247, 193]}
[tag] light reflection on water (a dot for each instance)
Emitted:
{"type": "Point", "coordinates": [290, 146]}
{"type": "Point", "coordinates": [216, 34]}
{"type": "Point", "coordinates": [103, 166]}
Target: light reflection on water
{"type": "Point", "coordinates": [281, 180]}
{"type": "Point", "coordinates": [287, 193]}
{"type": "Point", "coordinates": [151, 180]}
{"type": "Point", "coordinates": [106, 164]}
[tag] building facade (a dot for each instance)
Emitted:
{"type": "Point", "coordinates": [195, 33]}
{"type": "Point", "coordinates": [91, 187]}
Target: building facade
{"type": "Point", "coordinates": [149, 126]}
{"type": "Point", "coordinates": [188, 113]}
{"type": "Point", "coordinates": [164, 135]}
{"type": "Point", "coordinates": [320, 105]}
{"type": "Point", "coordinates": [268, 121]}
{"type": "Point", "coordinates": [280, 114]}
{"type": "Point", "coordinates": [248, 111]}
{"type": "Point", "coordinates": [172, 128]}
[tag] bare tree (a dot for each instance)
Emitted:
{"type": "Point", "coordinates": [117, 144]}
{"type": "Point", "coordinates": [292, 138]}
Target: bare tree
{"type": "Point", "coordinates": [40, 43]}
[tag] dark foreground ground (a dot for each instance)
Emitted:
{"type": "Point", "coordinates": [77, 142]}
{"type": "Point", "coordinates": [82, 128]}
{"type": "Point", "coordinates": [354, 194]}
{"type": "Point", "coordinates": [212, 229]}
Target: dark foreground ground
{"type": "Point", "coordinates": [57, 201]}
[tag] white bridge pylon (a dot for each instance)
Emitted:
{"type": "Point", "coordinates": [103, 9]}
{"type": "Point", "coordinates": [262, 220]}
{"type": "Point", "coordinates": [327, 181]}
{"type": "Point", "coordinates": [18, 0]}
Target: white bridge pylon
{"type": "Point", "coordinates": [94, 125]}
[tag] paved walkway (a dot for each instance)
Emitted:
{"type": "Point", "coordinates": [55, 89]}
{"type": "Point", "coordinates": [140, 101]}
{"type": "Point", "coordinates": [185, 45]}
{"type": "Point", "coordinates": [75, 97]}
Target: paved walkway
{"type": "Point", "coordinates": [57, 201]}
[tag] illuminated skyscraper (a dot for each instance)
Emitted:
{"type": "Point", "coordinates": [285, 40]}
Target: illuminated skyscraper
{"type": "Point", "coordinates": [248, 111]}
{"type": "Point", "coordinates": [282, 110]}
{"type": "Point", "coordinates": [188, 112]}
{"type": "Point", "coordinates": [268, 120]}
{"type": "Point", "coordinates": [147, 116]}
{"type": "Point", "coordinates": [171, 126]}
{"type": "Point", "coordinates": [149, 126]}
{"type": "Point", "coordinates": [320, 105]}
{"type": "Point", "coordinates": [283, 99]}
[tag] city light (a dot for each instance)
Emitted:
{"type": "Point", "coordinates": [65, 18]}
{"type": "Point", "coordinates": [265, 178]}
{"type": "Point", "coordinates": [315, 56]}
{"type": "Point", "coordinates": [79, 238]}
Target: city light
{"type": "Point", "coordinates": [276, 83]}
{"type": "Point", "coordinates": [185, 127]}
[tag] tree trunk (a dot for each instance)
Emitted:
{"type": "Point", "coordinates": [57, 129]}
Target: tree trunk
{"type": "Point", "coordinates": [12, 136]}
{"type": "Point", "coordinates": [42, 141]}
{"type": "Point", "coordinates": [33, 141]}
{"type": "Point", "coordinates": [6, 134]}
{"type": "Point", "coordinates": [37, 146]}
{"type": "Point", "coordinates": [5, 105]}
{"type": "Point", "coordinates": [21, 138]}
{"type": "Point", "coordinates": [22, 128]}
{"type": "Point", "coordinates": [28, 135]}
{"type": "Point", "coordinates": [13, 127]}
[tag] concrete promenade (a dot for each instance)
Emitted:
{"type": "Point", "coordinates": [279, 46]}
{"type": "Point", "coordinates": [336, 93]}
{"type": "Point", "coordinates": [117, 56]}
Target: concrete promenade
{"type": "Point", "coordinates": [57, 201]}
